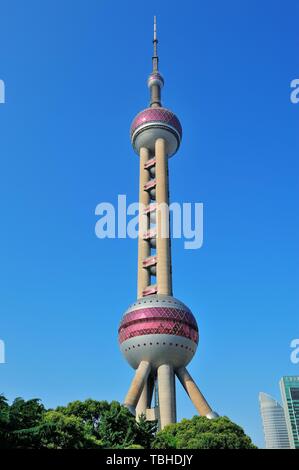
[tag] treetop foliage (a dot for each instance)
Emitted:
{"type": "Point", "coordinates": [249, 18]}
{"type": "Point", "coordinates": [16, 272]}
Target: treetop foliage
{"type": "Point", "coordinates": [99, 424]}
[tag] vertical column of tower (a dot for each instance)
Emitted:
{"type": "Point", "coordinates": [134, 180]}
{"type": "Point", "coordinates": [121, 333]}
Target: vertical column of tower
{"type": "Point", "coordinates": [143, 244]}
{"type": "Point", "coordinates": [137, 385]}
{"type": "Point", "coordinates": [166, 389]}
{"type": "Point", "coordinates": [164, 281]}
{"type": "Point", "coordinates": [145, 399]}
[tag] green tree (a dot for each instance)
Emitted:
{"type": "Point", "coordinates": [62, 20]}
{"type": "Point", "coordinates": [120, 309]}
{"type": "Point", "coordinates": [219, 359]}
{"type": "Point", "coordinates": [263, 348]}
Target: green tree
{"type": "Point", "coordinates": [202, 433]}
{"type": "Point", "coordinates": [19, 423]}
{"type": "Point", "coordinates": [87, 424]}
{"type": "Point", "coordinates": [25, 414]}
{"type": "Point", "coordinates": [111, 423]}
{"type": "Point", "coordinates": [60, 431]}
{"type": "Point", "coordinates": [90, 411]}
{"type": "Point", "coordinates": [146, 431]}
{"type": "Point", "coordinates": [4, 421]}
{"type": "Point", "coordinates": [30, 438]}
{"type": "Point", "coordinates": [117, 427]}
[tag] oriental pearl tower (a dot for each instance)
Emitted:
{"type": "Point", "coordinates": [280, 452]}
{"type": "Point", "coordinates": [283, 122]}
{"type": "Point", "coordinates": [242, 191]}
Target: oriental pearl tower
{"type": "Point", "coordinates": [158, 334]}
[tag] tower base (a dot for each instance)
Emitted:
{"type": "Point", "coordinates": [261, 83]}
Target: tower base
{"type": "Point", "coordinates": [139, 396]}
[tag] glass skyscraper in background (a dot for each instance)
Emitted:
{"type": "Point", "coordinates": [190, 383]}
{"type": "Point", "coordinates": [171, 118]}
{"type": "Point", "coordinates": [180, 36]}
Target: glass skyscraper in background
{"type": "Point", "coordinates": [289, 387]}
{"type": "Point", "coordinates": [274, 423]}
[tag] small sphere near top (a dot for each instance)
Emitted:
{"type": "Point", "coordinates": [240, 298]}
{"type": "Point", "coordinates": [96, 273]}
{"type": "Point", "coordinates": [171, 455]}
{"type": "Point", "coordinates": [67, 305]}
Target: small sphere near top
{"type": "Point", "coordinates": [152, 124]}
{"type": "Point", "coordinates": [155, 78]}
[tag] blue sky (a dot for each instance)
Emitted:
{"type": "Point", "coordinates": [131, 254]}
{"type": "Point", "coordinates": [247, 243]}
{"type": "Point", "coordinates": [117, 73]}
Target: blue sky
{"type": "Point", "coordinates": [75, 75]}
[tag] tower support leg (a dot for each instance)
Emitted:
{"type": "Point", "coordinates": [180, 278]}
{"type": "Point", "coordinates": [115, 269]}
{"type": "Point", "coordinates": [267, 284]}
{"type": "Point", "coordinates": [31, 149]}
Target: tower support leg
{"type": "Point", "coordinates": [166, 391]}
{"type": "Point", "coordinates": [145, 399]}
{"type": "Point", "coordinates": [137, 384]}
{"type": "Point", "coordinates": [195, 394]}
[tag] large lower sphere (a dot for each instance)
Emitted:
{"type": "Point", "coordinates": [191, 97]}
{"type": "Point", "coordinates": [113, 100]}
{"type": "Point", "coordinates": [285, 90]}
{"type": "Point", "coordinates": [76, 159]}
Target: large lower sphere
{"type": "Point", "coordinates": [159, 329]}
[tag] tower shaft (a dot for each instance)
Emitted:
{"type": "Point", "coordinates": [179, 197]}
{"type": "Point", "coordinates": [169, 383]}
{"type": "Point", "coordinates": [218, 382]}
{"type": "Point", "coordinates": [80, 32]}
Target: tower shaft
{"type": "Point", "coordinates": [153, 188]}
{"type": "Point", "coordinates": [143, 274]}
{"type": "Point", "coordinates": [164, 281]}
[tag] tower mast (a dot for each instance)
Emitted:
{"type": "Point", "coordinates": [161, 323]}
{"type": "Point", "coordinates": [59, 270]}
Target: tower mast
{"type": "Point", "coordinates": [155, 80]}
{"type": "Point", "coordinates": [155, 42]}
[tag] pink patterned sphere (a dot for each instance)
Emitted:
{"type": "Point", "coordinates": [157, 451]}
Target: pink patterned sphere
{"type": "Point", "coordinates": [159, 329]}
{"type": "Point", "coordinates": [153, 123]}
{"type": "Point", "coordinates": [155, 78]}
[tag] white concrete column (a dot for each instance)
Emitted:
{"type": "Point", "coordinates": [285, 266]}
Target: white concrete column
{"type": "Point", "coordinates": [166, 391]}
{"type": "Point", "coordinates": [194, 393]}
{"type": "Point", "coordinates": [174, 396]}
{"type": "Point", "coordinates": [137, 384]}
{"type": "Point", "coordinates": [164, 283]}
{"type": "Point", "coordinates": [143, 277]}
{"type": "Point", "coordinates": [145, 399]}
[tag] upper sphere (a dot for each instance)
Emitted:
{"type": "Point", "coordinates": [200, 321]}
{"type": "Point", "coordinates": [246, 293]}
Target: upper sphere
{"type": "Point", "coordinates": [152, 124]}
{"type": "Point", "coordinates": [155, 78]}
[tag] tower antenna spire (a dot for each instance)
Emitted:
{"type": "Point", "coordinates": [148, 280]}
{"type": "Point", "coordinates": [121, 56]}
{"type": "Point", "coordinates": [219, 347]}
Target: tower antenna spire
{"type": "Point", "coordinates": [155, 42]}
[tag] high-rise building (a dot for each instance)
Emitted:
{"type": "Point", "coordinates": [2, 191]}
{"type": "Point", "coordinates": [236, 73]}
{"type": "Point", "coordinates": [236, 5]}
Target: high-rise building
{"type": "Point", "coordinates": [289, 387]}
{"type": "Point", "coordinates": [158, 333]}
{"type": "Point", "coordinates": [274, 423]}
